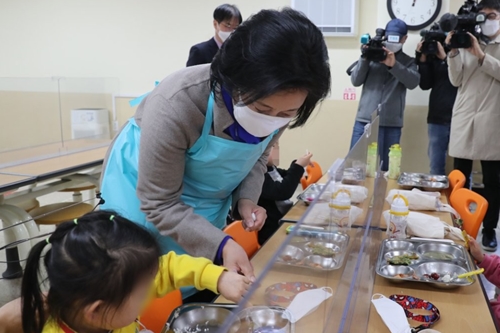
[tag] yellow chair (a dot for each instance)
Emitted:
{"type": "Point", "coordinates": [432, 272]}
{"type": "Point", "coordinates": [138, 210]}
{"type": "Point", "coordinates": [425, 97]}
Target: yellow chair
{"type": "Point", "coordinates": [60, 212]}
{"type": "Point", "coordinates": [157, 312]}
{"type": "Point", "coordinates": [461, 200]}
{"type": "Point", "coordinates": [248, 240]}
{"type": "Point", "coordinates": [77, 195]}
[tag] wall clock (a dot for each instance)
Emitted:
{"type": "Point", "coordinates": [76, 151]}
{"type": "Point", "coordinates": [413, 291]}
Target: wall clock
{"type": "Point", "coordinates": [417, 14]}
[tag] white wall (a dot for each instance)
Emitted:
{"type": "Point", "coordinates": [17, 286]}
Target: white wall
{"type": "Point", "coordinates": [136, 41]}
{"type": "Point", "coordinates": [140, 42]}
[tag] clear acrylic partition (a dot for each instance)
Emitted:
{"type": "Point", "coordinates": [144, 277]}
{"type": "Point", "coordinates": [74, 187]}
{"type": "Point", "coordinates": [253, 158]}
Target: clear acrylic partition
{"type": "Point", "coordinates": [304, 259]}
{"type": "Point", "coordinates": [37, 120]}
{"type": "Point", "coordinates": [87, 108]}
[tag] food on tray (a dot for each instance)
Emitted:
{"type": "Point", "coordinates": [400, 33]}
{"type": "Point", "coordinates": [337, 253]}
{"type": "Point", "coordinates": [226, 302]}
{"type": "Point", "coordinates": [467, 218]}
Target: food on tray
{"type": "Point", "coordinates": [438, 255]}
{"type": "Point", "coordinates": [315, 265]}
{"type": "Point", "coordinates": [404, 259]}
{"type": "Point", "coordinates": [287, 258]}
{"type": "Point", "coordinates": [321, 250]}
{"type": "Point", "coordinates": [446, 277]}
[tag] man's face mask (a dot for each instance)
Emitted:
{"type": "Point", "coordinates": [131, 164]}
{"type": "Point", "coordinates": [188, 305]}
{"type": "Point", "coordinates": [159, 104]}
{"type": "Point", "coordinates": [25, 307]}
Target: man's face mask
{"type": "Point", "coordinates": [490, 27]}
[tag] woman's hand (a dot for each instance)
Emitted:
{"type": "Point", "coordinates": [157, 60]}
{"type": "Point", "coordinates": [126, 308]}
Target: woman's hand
{"type": "Point", "coordinates": [423, 57]}
{"type": "Point", "coordinates": [304, 160]}
{"type": "Point", "coordinates": [253, 216]}
{"type": "Point", "coordinates": [475, 48]}
{"type": "Point", "coordinates": [447, 41]}
{"type": "Point", "coordinates": [236, 260]}
{"type": "Point", "coordinates": [475, 250]}
{"type": "Point", "coordinates": [441, 52]}
{"type": "Point", "coordinates": [233, 286]}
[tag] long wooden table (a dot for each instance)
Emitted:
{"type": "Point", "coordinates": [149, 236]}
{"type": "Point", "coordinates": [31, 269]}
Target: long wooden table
{"type": "Point", "coordinates": [49, 150]}
{"type": "Point", "coordinates": [464, 309]}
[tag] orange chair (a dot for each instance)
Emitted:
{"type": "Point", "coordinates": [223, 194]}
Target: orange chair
{"type": "Point", "coordinates": [248, 240]}
{"type": "Point", "coordinates": [156, 314]}
{"type": "Point", "coordinates": [461, 200]}
{"type": "Point", "coordinates": [457, 180]}
{"type": "Point", "coordinates": [314, 173]}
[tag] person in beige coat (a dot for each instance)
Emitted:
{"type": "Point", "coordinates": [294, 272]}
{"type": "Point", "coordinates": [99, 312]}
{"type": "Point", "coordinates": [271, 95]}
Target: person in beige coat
{"type": "Point", "coordinates": [475, 124]}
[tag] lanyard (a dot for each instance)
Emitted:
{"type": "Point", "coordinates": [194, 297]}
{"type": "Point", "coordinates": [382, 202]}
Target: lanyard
{"type": "Point", "coordinates": [410, 302]}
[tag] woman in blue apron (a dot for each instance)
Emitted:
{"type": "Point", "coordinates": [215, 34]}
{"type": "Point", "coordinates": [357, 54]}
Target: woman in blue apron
{"type": "Point", "coordinates": [198, 143]}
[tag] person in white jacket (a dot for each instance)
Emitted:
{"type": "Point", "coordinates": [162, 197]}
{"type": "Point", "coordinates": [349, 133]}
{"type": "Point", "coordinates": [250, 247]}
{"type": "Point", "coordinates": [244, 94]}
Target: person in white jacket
{"type": "Point", "coordinates": [475, 122]}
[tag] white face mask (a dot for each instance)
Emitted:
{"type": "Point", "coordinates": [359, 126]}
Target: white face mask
{"type": "Point", "coordinates": [490, 27]}
{"type": "Point", "coordinates": [257, 124]}
{"type": "Point", "coordinates": [394, 47]}
{"type": "Point", "coordinates": [307, 302]}
{"type": "Point", "coordinates": [224, 35]}
{"type": "Point", "coordinates": [392, 314]}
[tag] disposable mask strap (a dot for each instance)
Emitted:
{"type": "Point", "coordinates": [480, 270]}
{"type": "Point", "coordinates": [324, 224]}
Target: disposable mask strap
{"type": "Point", "coordinates": [377, 296]}
{"type": "Point", "coordinates": [447, 208]}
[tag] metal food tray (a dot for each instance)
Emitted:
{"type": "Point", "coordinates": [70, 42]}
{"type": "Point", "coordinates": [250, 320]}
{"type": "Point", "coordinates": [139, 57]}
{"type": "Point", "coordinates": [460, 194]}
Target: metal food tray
{"type": "Point", "coordinates": [299, 252]}
{"type": "Point", "coordinates": [353, 176]}
{"type": "Point", "coordinates": [459, 262]}
{"type": "Point", "coordinates": [198, 317]}
{"type": "Point", "coordinates": [424, 181]}
{"type": "Point", "coordinates": [312, 192]}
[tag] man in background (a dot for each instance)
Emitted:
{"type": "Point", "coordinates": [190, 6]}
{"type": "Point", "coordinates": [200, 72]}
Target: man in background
{"type": "Point", "coordinates": [475, 121]}
{"type": "Point", "coordinates": [433, 69]}
{"type": "Point", "coordinates": [226, 19]}
{"type": "Point", "coordinates": [385, 84]}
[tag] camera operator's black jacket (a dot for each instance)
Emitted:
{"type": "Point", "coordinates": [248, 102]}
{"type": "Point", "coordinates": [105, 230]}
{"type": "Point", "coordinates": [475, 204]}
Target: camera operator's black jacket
{"type": "Point", "coordinates": [434, 76]}
{"type": "Point", "coordinates": [385, 86]}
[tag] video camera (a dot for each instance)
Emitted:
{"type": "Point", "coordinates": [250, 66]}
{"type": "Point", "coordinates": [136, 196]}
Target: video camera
{"type": "Point", "coordinates": [466, 21]}
{"type": "Point", "coordinates": [431, 38]}
{"type": "Point", "coordinates": [373, 48]}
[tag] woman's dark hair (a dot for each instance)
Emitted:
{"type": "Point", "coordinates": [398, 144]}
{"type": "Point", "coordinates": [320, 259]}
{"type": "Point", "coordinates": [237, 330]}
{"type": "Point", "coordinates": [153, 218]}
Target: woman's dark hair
{"type": "Point", "coordinates": [274, 51]}
{"type": "Point", "coordinates": [97, 258]}
{"type": "Point", "coordinates": [227, 12]}
{"type": "Point", "coordinates": [490, 4]}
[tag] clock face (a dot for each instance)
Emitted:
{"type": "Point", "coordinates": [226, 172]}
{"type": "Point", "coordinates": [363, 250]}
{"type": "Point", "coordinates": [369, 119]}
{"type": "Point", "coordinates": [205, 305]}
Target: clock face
{"type": "Point", "coordinates": [417, 14]}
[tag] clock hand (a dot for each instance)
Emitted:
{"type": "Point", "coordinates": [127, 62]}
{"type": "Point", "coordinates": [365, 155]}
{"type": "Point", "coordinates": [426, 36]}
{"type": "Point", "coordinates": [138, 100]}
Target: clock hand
{"type": "Point", "coordinates": [413, 5]}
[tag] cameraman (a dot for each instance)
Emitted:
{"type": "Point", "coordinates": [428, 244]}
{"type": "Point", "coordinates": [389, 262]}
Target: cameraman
{"type": "Point", "coordinates": [385, 83]}
{"type": "Point", "coordinates": [475, 123]}
{"type": "Point", "coordinates": [433, 69]}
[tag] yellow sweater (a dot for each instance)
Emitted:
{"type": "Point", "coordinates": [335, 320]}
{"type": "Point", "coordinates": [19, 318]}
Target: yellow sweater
{"type": "Point", "coordinates": [174, 272]}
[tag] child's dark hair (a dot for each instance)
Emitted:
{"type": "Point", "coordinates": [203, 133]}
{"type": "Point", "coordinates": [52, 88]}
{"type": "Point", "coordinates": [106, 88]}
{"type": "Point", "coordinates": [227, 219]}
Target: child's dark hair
{"type": "Point", "coordinates": [227, 12]}
{"type": "Point", "coordinates": [100, 256]}
{"type": "Point", "coordinates": [274, 51]}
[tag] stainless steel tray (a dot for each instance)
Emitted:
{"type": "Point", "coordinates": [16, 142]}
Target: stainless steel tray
{"type": "Point", "coordinates": [312, 192]}
{"type": "Point", "coordinates": [424, 181]}
{"type": "Point", "coordinates": [433, 257]}
{"type": "Point", "coordinates": [353, 176]}
{"type": "Point", "coordinates": [198, 317]}
{"type": "Point", "coordinates": [313, 249]}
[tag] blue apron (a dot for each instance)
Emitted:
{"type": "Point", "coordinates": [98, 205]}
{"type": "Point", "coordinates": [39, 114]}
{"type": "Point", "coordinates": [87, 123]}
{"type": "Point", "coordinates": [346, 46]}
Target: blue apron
{"type": "Point", "coordinates": [214, 168]}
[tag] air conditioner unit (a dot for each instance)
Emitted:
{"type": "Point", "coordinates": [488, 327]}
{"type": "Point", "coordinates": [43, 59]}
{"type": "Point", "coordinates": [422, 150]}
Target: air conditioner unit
{"type": "Point", "coordinates": [90, 124]}
{"type": "Point", "coordinates": [332, 17]}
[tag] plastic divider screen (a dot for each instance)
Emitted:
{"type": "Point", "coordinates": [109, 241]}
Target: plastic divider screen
{"type": "Point", "coordinates": [311, 254]}
{"type": "Point", "coordinates": [48, 117]}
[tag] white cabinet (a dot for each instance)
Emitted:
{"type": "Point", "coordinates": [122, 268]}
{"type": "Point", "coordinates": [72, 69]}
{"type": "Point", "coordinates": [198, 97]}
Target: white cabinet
{"type": "Point", "coordinates": [90, 124]}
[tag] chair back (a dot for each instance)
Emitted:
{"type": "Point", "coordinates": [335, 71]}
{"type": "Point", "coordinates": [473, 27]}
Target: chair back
{"type": "Point", "coordinates": [248, 240]}
{"type": "Point", "coordinates": [314, 173]}
{"type": "Point", "coordinates": [461, 200]}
